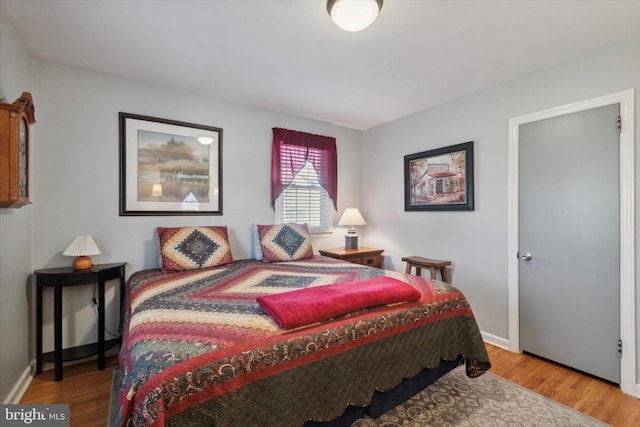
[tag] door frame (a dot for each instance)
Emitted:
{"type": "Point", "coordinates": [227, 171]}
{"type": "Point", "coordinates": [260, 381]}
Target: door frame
{"type": "Point", "coordinates": [626, 99]}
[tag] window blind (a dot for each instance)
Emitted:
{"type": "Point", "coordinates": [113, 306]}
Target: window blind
{"type": "Point", "coordinates": [306, 201]}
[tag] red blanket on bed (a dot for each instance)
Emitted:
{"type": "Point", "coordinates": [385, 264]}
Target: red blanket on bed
{"type": "Point", "coordinates": [310, 305]}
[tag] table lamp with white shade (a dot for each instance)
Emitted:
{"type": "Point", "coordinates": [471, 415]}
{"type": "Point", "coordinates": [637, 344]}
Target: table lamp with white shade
{"type": "Point", "coordinates": [81, 248]}
{"type": "Point", "coordinates": [351, 217]}
{"type": "Point", "coordinates": [156, 190]}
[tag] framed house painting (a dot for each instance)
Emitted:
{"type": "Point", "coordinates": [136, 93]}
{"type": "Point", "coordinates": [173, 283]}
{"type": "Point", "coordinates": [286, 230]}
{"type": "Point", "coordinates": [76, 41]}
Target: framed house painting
{"type": "Point", "coordinates": [169, 167]}
{"type": "Point", "coordinates": [440, 179]}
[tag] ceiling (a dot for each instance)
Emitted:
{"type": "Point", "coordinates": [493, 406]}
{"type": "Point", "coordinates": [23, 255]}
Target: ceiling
{"type": "Point", "coordinates": [287, 55]}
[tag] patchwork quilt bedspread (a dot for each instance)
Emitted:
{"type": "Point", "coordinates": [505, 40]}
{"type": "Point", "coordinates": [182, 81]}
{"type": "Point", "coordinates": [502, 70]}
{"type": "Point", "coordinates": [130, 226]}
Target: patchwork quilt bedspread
{"type": "Point", "coordinates": [196, 345]}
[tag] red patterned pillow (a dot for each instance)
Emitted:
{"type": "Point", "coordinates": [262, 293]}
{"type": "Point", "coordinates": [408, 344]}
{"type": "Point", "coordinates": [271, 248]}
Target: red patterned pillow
{"type": "Point", "coordinates": [285, 242]}
{"type": "Point", "coordinates": [190, 248]}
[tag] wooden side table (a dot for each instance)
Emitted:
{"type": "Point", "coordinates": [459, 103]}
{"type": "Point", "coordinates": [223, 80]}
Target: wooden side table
{"type": "Point", "coordinates": [59, 278]}
{"type": "Point", "coordinates": [370, 257]}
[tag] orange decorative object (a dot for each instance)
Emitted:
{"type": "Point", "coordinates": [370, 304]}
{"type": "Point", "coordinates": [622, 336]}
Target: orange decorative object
{"type": "Point", "coordinates": [82, 263]}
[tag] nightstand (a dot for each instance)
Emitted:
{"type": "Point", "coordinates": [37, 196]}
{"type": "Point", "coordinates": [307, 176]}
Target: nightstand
{"type": "Point", "coordinates": [370, 257]}
{"type": "Point", "coordinates": [59, 278]}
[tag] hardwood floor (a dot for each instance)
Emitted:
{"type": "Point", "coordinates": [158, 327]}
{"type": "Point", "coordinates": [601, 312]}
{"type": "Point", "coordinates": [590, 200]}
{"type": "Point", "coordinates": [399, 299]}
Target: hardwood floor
{"type": "Point", "coordinates": [590, 396]}
{"type": "Point", "coordinates": [87, 390]}
{"type": "Point", "coordinates": [84, 388]}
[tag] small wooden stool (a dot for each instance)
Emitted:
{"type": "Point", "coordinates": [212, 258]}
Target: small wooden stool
{"type": "Point", "coordinates": [432, 264]}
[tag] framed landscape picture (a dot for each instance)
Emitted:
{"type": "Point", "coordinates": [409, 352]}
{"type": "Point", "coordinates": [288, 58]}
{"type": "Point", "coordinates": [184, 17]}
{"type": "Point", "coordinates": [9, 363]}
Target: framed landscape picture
{"type": "Point", "coordinates": [169, 167]}
{"type": "Point", "coordinates": [439, 179]}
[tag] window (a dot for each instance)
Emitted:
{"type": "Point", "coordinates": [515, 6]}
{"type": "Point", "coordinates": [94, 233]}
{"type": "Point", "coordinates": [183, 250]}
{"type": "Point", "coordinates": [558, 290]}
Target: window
{"type": "Point", "coordinates": [304, 178]}
{"type": "Point", "coordinates": [305, 201]}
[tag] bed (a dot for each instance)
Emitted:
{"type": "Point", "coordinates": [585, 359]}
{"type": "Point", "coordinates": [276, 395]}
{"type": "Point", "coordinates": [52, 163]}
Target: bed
{"type": "Point", "coordinates": [198, 349]}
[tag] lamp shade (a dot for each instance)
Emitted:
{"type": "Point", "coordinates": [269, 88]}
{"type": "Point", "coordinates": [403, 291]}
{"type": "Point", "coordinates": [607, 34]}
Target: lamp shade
{"type": "Point", "coordinates": [351, 217]}
{"type": "Point", "coordinates": [156, 190]}
{"type": "Point", "coordinates": [81, 247]}
{"type": "Point", "coordinates": [354, 15]}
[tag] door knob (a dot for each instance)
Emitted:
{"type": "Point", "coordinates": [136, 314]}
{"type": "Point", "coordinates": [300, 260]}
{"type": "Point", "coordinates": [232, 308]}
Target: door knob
{"type": "Point", "coordinates": [526, 256]}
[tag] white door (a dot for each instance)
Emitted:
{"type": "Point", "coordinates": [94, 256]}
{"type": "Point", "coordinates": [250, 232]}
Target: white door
{"type": "Point", "coordinates": [569, 265]}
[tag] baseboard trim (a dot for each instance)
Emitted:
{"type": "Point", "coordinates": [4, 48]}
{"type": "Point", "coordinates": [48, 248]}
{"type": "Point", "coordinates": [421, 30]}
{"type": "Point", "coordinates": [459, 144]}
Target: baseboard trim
{"type": "Point", "coordinates": [495, 340]}
{"type": "Point", "coordinates": [20, 387]}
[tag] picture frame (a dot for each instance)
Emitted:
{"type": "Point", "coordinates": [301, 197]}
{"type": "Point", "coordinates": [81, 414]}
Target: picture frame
{"type": "Point", "coordinates": [166, 170]}
{"type": "Point", "coordinates": [439, 179]}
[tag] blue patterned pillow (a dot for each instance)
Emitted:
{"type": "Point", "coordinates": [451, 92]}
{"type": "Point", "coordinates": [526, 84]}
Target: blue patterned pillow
{"type": "Point", "coordinates": [285, 242]}
{"type": "Point", "coordinates": [190, 248]}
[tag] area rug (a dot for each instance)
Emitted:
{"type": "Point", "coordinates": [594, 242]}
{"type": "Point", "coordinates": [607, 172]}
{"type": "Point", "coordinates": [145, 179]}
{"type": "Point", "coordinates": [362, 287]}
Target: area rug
{"type": "Point", "coordinates": [456, 400]}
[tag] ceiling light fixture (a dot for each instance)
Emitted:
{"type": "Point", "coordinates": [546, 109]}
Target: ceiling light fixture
{"type": "Point", "coordinates": [354, 15]}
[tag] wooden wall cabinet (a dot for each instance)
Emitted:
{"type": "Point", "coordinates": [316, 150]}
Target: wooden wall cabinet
{"type": "Point", "coordinates": [15, 120]}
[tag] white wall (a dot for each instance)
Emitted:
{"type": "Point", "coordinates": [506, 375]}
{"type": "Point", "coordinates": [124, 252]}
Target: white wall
{"type": "Point", "coordinates": [76, 173]}
{"type": "Point", "coordinates": [476, 241]}
{"type": "Point", "coordinates": [15, 235]}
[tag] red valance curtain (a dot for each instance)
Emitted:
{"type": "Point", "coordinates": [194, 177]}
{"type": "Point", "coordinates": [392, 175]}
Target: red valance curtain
{"type": "Point", "coordinates": [292, 149]}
